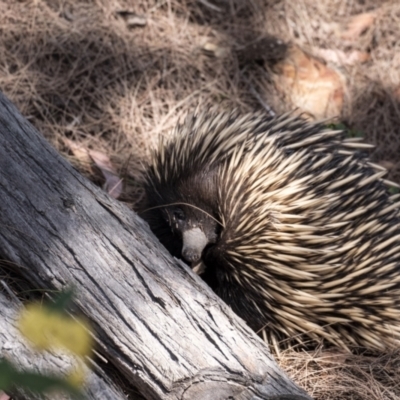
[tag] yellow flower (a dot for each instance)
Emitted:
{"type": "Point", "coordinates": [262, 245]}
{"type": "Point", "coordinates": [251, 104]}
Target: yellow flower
{"type": "Point", "coordinates": [75, 336]}
{"type": "Point", "coordinates": [49, 329]}
{"type": "Point", "coordinates": [77, 377]}
{"type": "Point", "coordinates": [33, 324]}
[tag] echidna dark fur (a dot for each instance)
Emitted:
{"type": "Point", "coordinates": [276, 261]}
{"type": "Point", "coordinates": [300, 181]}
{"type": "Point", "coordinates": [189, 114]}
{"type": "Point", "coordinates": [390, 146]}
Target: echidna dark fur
{"type": "Point", "coordinates": [289, 222]}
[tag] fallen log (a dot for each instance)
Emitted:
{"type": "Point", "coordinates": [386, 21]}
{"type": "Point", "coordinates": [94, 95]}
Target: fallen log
{"type": "Point", "coordinates": [155, 320]}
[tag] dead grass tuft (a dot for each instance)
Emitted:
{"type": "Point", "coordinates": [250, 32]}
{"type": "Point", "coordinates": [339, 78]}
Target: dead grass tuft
{"type": "Point", "coordinates": [79, 71]}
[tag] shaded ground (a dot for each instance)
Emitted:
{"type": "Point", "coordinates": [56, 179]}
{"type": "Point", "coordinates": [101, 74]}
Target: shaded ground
{"type": "Point", "coordinates": [79, 71]}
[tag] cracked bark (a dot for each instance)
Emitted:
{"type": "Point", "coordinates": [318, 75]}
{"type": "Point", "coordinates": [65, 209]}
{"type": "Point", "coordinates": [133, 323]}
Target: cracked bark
{"type": "Point", "coordinates": [155, 320]}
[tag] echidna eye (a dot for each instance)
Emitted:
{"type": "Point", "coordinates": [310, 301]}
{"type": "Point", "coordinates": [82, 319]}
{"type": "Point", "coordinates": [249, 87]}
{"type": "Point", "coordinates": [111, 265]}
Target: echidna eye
{"type": "Point", "coordinates": [178, 214]}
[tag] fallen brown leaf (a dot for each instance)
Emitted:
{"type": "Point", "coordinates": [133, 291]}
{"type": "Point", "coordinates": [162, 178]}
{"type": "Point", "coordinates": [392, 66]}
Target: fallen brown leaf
{"type": "Point", "coordinates": [396, 93]}
{"type": "Point", "coordinates": [340, 57]}
{"type": "Point", "coordinates": [357, 25]}
{"type": "Point", "coordinates": [113, 183]}
{"type": "Point", "coordinates": [132, 19]}
{"type": "Point", "coordinates": [310, 85]}
{"type": "Point", "coordinates": [80, 152]}
{"type": "Point", "coordinates": [215, 50]}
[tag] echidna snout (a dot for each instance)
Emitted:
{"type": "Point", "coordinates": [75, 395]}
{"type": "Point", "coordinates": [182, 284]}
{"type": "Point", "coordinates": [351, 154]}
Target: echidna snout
{"type": "Point", "coordinates": [194, 241]}
{"type": "Point", "coordinates": [193, 225]}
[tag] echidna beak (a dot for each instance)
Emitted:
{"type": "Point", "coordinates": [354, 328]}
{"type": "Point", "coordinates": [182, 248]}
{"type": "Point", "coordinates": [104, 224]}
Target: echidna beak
{"type": "Point", "coordinates": [194, 241]}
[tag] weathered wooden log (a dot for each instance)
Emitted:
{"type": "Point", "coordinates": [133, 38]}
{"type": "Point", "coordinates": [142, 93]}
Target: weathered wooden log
{"type": "Point", "coordinates": [156, 321]}
{"type": "Point", "coordinates": [14, 348]}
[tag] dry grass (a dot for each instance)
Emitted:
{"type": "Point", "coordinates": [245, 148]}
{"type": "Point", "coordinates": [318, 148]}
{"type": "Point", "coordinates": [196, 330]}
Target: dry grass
{"type": "Point", "coordinates": [332, 375]}
{"type": "Point", "coordinates": [77, 71]}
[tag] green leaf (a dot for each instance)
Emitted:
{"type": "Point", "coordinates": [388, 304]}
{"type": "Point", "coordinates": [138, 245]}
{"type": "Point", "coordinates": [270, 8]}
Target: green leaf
{"type": "Point", "coordinates": [7, 375]}
{"type": "Point", "coordinates": [40, 384]}
{"type": "Point", "coordinates": [62, 301]}
{"type": "Point", "coordinates": [35, 382]}
{"type": "Point", "coordinates": [351, 133]}
{"type": "Point", "coordinates": [338, 126]}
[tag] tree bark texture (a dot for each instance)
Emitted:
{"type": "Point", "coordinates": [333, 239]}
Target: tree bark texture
{"type": "Point", "coordinates": [155, 320]}
{"type": "Point", "coordinates": [15, 349]}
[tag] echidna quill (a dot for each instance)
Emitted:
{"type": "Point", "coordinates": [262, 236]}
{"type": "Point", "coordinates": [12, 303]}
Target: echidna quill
{"type": "Point", "coordinates": [291, 223]}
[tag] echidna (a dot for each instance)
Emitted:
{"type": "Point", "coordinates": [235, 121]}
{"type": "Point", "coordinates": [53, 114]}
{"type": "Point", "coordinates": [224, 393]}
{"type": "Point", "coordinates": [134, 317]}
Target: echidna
{"type": "Point", "coordinates": [293, 225]}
